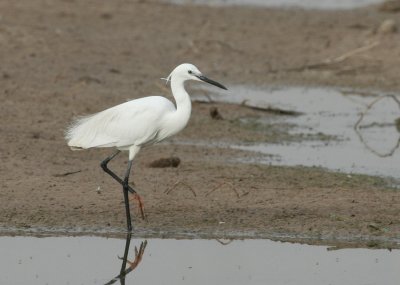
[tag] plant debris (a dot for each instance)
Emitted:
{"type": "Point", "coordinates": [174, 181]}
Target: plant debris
{"type": "Point", "coordinates": [67, 173]}
{"type": "Point", "coordinates": [172, 161]}
{"type": "Point", "coordinates": [214, 113]}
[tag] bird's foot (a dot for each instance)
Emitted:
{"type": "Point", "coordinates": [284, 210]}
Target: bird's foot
{"type": "Point", "coordinates": [136, 197]}
{"type": "Point", "coordinates": [138, 255]}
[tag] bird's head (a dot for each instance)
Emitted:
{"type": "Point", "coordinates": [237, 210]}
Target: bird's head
{"type": "Point", "coordinates": [187, 71]}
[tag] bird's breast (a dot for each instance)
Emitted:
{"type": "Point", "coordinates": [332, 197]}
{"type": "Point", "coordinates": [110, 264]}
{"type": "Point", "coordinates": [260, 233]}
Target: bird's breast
{"type": "Point", "coordinates": [174, 123]}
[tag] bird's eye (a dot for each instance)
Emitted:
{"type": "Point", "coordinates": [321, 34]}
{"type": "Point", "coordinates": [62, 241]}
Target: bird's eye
{"type": "Point", "coordinates": [190, 72]}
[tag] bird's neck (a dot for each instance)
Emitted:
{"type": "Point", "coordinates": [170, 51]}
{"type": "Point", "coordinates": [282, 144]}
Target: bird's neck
{"type": "Point", "coordinates": [182, 99]}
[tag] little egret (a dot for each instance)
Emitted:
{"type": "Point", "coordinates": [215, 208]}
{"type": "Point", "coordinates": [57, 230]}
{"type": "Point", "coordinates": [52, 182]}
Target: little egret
{"type": "Point", "coordinates": [135, 124]}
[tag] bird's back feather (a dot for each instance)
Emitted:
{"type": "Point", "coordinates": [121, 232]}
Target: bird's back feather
{"type": "Point", "coordinates": [135, 122]}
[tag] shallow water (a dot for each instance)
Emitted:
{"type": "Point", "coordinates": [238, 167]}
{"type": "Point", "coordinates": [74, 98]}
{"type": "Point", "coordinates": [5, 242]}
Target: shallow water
{"type": "Point", "coordinates": [93, 260]}
{"type": "Point", "coordinates": [331, 116]}
{"type": "Point", "coordinates": [307, 4]}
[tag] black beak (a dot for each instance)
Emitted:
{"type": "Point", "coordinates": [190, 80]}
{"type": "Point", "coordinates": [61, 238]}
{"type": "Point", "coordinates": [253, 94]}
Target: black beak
{"type": "Point", "coordinates": [205, 79]}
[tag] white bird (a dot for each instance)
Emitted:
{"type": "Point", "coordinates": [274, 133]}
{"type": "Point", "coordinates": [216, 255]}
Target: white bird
{"type": "Point", "coordinates": [137, 123]}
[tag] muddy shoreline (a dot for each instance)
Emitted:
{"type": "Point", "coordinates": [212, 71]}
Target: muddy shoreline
{"type": "Point", "coordinates": [66, 58]}
{"type": "Point", "coordinates": [334, 242]}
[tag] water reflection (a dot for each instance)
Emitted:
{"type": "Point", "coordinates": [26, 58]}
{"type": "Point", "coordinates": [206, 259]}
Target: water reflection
{"type": "Point", "coordinates": [70, 260]}
{"type": "Point", "coordinates": [132, 264]}
{"type": "Point", "coordinates": [325, 125]}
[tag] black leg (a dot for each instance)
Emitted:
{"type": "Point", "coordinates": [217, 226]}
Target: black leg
{"type": "Point", "coordinates": [124, 184]}
{"type": "Point", "coordinates": [125, 258]}
{"type": "Point", "coordinates": [132, 264]}
{"type": "Point", "coordinates": [122, 273]}
{"type": "Point", "coordinates": [125, 187]}
{"type": "Point", "coordinates": [104, 164]}
{"type": "Point", "coordinates": [127, 173]}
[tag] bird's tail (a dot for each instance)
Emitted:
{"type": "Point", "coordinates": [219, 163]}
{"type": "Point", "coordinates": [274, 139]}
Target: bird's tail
{"type": "Point", "coordinates": [76, 133]}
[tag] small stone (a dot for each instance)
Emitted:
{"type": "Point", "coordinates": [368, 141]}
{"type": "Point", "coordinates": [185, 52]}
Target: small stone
{"type": "Point", "coordinates": [387, 27]}
{"type": "Point", "coordinates": [36, 135]}
{"type": "Point", "coordinates": [114, 70]}
{"type": "Point", "coordinates": [106, 16]}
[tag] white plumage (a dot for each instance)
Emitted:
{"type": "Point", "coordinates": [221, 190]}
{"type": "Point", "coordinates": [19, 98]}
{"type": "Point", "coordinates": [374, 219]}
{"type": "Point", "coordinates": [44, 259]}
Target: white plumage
{"type": "Point", "coordinates": [137, 123]}
{"type": "Point", "coordinates": [140, 122]}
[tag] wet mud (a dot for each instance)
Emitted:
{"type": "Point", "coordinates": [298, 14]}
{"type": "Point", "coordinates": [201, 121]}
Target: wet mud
{"type": "Point", "coordinates": [61, 59]}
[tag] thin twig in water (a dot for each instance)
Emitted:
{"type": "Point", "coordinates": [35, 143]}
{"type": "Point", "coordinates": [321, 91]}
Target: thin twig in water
{"type": "Point", "coordinates": [269, 109]}
{"type": "Point", "coordinates": [357, 127]}
{"type": "Point", "coordinates": [224, 242]}
{"type": "Point", "coordinates": [375, 124]}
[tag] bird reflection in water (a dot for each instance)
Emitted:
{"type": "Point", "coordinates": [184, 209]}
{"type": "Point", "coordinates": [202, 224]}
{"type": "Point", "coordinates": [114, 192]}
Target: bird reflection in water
{"type": "Point", "coordinates": [131, 264]}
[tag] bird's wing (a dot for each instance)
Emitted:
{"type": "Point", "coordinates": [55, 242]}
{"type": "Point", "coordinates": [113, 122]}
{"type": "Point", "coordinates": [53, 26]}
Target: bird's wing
{"type": "Point", "coordinates": [134, 122]}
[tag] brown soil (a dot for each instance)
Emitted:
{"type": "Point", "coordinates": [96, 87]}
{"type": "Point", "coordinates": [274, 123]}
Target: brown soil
{"type": "Point", "coordinates": [64, 58]}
